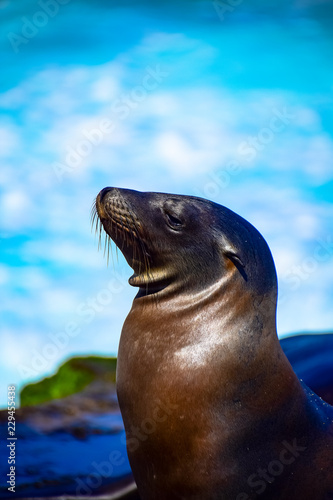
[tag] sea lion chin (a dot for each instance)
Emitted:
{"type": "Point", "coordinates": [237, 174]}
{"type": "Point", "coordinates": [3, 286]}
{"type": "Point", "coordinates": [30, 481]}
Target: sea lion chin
{"type": "Point", "coordinates": [212, 408]}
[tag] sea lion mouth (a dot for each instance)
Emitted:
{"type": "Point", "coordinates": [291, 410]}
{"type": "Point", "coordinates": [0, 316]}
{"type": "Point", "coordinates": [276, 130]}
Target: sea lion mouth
{"type": "Point", "coordinates": [113, 214]}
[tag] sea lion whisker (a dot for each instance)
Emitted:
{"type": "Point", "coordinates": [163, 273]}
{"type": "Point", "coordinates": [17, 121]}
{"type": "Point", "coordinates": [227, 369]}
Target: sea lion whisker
{"type": "Point", "coordinates": [93, 207]}
{"type": "Point", "coordinates": [131, 223]}
{"type": "Point", "coordinates": [100, 236]}
{"type": "Point", "coordinates": [115, 209]}
{"type": "Point", "coordinates": [105, 247]}
{"type": "Point", "coordinates": [95, 222]}
{"type": "Point", "coordinates": [133, 234]}
{"type": "Point", "coordinates": [138, 243]}
{"type": "Point", "coordinates": [110, 250]}
{"type": "Point", "coordinates": [93, 215]}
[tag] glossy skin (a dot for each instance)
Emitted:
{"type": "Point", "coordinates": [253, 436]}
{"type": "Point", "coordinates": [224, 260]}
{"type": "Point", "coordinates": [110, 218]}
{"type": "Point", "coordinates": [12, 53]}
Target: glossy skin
{"type": "Point", "coordinates": [211, 406]}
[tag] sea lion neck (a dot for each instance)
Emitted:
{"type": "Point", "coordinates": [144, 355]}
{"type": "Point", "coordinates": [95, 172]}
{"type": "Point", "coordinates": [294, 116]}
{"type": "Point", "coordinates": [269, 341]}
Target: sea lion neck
{"type": "Point", "coordinates": [226, 306]}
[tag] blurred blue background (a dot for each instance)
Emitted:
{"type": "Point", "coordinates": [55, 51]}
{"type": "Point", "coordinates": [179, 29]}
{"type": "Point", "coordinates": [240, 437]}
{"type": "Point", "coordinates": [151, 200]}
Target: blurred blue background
{"type": "Point", "coordinates": [229, 100]}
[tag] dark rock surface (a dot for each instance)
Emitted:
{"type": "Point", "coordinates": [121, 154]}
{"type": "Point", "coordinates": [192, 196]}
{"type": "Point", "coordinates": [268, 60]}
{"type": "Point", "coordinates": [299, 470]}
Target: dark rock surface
{"type": "Point", "coordinates": [71, 446]}
{"type": "Point", "coordinates": [75, 446]}
{"type": "Point", "coordinates": [311, 356]}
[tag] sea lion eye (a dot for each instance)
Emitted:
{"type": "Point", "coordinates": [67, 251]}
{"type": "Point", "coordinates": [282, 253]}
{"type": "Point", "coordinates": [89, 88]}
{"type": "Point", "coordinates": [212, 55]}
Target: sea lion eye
{"type": "Point", "coordinates": [173, 221]}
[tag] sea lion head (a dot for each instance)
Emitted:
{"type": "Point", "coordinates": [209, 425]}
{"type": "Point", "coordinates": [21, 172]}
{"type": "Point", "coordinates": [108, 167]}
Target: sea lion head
{"type": "Point", "coordinates": [191, 241]}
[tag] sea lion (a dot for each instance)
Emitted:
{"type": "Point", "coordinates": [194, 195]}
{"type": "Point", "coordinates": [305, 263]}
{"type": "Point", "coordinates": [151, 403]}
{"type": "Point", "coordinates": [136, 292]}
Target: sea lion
{"type": "Point", "coordinates": [211, 406]}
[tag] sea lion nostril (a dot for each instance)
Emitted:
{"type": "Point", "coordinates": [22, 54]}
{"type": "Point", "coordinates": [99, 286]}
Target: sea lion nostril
{"type": "Point", "coordinates": [104, 192]}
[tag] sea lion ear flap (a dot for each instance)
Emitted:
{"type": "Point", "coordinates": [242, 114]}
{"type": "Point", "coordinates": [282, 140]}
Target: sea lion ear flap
{"type": "Point", "coordinates": [234, 256]}
{"type": "Point", "coordinates": [230, 251]}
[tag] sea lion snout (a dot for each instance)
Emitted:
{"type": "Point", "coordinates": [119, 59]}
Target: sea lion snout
{"type": "Point", "coordinates": [106, 199]}
{"type": "Point", "coordinates": [103, 192]}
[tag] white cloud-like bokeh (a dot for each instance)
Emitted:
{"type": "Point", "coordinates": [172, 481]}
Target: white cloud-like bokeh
{"type": "Point", "coordinates": [171, 137]}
